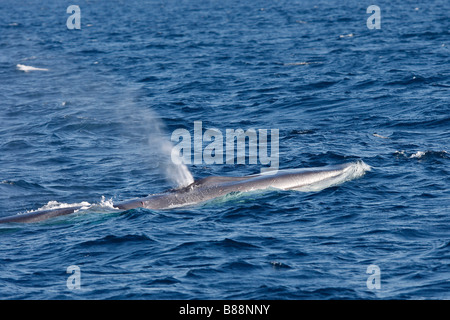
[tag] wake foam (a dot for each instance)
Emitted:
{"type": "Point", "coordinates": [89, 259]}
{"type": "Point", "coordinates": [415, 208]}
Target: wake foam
{"type": "Point", "coordinates": [428, 154]}
{"type": "Point", "coordinates": [104, 206]}
{"type": "Point", "coordinates": [52, 205]}
{"type": "Point", "coordinates": [25, 68]}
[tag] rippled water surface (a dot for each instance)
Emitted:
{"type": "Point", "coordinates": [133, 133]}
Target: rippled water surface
{"type": "Point", "coordinates": [93, 126]}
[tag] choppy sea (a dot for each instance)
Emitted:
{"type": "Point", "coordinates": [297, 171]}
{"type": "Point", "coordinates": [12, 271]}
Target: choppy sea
{"type": "Point", "coordinates": [84, 114]}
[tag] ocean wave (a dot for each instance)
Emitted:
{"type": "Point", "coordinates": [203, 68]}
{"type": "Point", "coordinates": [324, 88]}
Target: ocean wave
{"type": "Point", "coordinates": [117, 240]}
{"type": "Point", "coordinates": [22, 184]}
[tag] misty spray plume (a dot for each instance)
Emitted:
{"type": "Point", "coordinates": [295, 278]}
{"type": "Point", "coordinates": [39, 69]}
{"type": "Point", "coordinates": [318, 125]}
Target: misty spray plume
{"type": "Point", "coordinates": [143, 125]}
{"type": "Point", "coordinates": [177, 174]}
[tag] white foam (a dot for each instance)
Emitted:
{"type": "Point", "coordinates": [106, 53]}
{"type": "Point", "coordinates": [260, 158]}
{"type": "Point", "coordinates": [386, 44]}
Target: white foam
{"type": "Point", "coordinates": [51, 205]}
{"type": "Point", "coordinates": [25, 68]}
{"type": "Point", "coordinates": [57, 205]}
{"type": "Point", "coordinates": [103, 206]}
{"type": "Point", "coordinates": [302, 63]}
{"type": "Point", "coordinates": [379, 136]}
{"type": "Point", "coordinates": [421, 154]}
{"type": "Point", "coordinates": [418, 154]}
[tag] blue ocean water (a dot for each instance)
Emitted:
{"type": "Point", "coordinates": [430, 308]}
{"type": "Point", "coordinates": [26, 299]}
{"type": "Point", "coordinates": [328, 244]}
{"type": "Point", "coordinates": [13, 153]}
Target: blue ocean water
{"type": "Point", "coordinates": [87, 129]}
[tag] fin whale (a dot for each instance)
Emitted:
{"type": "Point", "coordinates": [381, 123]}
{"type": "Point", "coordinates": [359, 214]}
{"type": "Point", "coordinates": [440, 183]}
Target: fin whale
{"type": "Point", "coordinates": [217, 186]}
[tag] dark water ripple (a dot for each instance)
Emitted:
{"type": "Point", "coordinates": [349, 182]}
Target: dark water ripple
{"type": "Point", "coordinates": [336, 91]}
